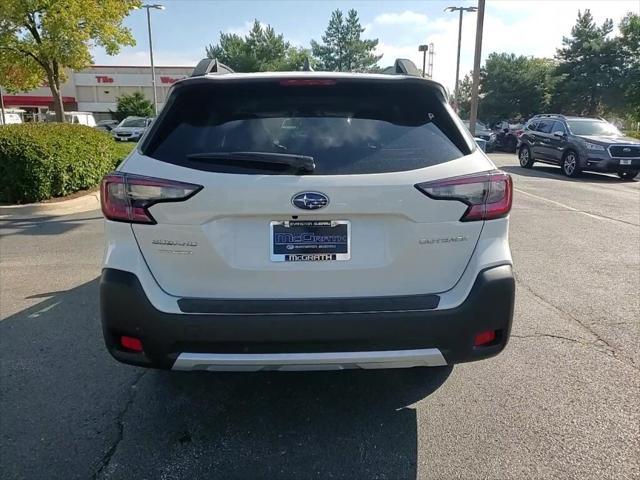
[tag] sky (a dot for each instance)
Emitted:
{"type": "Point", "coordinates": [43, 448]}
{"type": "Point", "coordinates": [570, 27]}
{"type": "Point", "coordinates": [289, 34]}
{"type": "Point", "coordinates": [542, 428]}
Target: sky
{"type": "Point", "coordinates": [185, 27]}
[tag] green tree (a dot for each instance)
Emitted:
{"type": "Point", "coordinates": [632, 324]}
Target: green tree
{"type": "Point", "coordinates": [514, 86]}
{"type": "Point", "coordinates": [133, 105]}
{"type": "Point", "coordinates": [629, 43]}
{"type": "Point", "coordinates": [42, 38]}
{"type": "Point", "coordinates": [462, 97]}
{"type": "Point", "coordinates": [590, 68]}
{"type": "Point", "coordinates": [260, 51]}
{"type": "Point", "coordinates": [342, 48]}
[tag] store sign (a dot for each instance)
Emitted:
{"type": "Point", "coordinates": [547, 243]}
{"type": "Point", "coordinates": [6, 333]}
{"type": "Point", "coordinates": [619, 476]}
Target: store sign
{"type": "Point", "coordinates": [170, 80]}
{"type": "Point", "coordinates": [104, 79]}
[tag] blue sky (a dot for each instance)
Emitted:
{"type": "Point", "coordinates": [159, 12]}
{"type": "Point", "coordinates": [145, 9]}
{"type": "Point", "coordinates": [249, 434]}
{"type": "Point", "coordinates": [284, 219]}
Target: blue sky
{"type": "Point", "coordinates": [182, 31]}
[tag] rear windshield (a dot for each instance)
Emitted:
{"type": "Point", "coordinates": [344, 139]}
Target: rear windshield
{"type": "Point", "coordinates": [347, 127]}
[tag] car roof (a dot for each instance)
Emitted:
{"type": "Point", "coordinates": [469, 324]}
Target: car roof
{"type": "Point", "coordinates": [366, 77]}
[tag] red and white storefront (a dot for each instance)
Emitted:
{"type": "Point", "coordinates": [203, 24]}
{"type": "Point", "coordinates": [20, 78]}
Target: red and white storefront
{"type": "Point", "coordinates": [96, 89]}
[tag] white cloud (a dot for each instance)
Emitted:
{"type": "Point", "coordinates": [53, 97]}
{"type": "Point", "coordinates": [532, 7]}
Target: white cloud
{"type": "Point", "coordinates": [402, 18]}
{"type": "Point", "coordinates": [523, 27]}
{"type": "Point", "coordinates": [243, 29]}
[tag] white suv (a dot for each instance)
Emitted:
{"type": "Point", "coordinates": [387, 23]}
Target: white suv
{"type": "Point", "coordinates": [306, 221]}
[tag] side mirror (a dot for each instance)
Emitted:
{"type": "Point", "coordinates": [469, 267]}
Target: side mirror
{"type": "Point", "coordinates": [559, 134]}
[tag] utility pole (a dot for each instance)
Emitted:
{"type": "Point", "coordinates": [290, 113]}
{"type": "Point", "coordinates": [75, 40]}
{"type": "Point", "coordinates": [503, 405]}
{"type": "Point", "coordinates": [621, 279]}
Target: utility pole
{"type": "Point", "coordinates": [153, 69]}
{"type": "Point", "coordinates": [473, 116]}
{"type": "Point", "coordinates": [423, 49]}
{"type": "Point", "coordinates": [461, 10]}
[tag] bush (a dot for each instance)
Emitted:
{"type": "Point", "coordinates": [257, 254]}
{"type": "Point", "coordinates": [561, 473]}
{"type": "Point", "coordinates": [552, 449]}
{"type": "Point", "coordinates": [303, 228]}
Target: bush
{"type": "Point", "coordinates": [133, 105]}
{"type": "Point", "coordinates": [41, 161]}
{"type": "Point", "coordinates": [632, 133]}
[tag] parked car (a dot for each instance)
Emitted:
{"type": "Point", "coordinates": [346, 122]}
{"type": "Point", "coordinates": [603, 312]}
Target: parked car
{"type": "Point", "coordinates": [10, 118]}
{"type": "Point", "coordinates": [306, 221]}
{"type": "Point", "coordinates": [107, 125]}
{"type": "Point", "coordinates": [577, 144]}
{"type": "Point", "coordinates": [483, 132]}
{"type": "Point", "coordinates": [131, 129]}
{"type": "Point", "coordinates": [79, 118]}
{"type": "Point", "coordinates": [507, 134]}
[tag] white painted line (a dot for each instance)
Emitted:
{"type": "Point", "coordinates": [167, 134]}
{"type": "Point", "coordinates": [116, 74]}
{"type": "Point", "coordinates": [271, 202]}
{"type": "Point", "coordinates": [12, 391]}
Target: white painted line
{"type": "Point", "coordinates": [44, 310]}
{"type": "Point", "coordinates": [592, 215]}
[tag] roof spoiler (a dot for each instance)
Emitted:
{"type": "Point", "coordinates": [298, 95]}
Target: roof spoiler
{"type": "Point", "coordinates": [210, 65]}
{"type": "Point", "coordinates": [403, 66]}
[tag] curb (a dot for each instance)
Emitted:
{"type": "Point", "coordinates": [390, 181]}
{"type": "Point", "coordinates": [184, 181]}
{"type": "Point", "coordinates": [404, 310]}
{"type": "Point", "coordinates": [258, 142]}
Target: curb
{"type": "Point", "coordinates": [31, 211]}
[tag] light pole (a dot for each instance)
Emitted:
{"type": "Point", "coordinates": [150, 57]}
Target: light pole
{"type": "Point", "coordinates": [148, 7]}
{"type": "Point", "coordinates": [461, 10]}
{"type": "Point", "coordinates": [423, 49]}
{"type": "Point", "coordinates": [473, 115]}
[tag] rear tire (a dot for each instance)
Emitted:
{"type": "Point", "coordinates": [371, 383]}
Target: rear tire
{"type": "Point", "coordinates": [512, 144]}
{"type": "Point", "coordinates": [524, 156]}
{"type": "Point", "coordinates": [570, 166]}
{"type": "Point", "coordinates": [628, 175]}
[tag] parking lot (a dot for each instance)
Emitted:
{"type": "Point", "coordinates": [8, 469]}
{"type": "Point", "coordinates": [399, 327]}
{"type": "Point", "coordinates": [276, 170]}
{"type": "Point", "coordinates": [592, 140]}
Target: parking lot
{"type": "Point", "coordinates": [560, 402]}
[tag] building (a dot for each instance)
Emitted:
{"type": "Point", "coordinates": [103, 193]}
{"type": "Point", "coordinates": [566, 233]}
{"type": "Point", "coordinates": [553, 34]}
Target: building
{"type": "Point", "coordinates": [96, 89]}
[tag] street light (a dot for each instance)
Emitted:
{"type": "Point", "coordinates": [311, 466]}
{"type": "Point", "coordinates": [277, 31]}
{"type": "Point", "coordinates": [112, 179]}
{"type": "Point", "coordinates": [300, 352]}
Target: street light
{"type": "Point", "coordinates": [157, 6]}
{"type": "Point", "coordinates": [423, 49]}
{"type": "Point", "coordinates": [461, 10]}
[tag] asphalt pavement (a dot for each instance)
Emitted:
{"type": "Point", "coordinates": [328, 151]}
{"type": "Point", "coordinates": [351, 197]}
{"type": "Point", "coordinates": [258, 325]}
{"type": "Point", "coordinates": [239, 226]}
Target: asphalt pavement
{"type": "Point", "coordinates": [560, 402]}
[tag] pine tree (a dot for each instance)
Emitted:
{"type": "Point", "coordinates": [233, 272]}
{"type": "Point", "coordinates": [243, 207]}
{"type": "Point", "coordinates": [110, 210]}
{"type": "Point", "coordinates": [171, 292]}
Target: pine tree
{"type": "Point", "coordinates": [342, 48]}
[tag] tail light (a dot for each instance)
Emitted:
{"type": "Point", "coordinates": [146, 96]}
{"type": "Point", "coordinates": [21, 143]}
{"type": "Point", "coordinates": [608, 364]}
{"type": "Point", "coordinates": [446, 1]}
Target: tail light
{"type": "Point", "coordinates": [127, 198]}
{"type": "Point", "coordinates": [519, 133]}
{"type": "Point", "coordinates": [488, 195]}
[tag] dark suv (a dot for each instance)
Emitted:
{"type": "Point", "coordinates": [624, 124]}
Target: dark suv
{"type": "Point", "coordinates": [577, 144]}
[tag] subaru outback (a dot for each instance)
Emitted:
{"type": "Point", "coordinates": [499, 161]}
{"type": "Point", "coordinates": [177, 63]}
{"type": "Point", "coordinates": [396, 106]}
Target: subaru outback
{"type": "Point", "coordinates": [577, 144]}
{"type": "Point", "coordinates": [306, 221]}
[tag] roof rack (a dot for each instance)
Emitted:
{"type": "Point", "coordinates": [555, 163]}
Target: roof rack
{"type": "Point", "coordinates": [548, 115]}
{"type": "Point", "coordinates": [403, 66]}
{"type": "Point", "coordinates": [210, 65]}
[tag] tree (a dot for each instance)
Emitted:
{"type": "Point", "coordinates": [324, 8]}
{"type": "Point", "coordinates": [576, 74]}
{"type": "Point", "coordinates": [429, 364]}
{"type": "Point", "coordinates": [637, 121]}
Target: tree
{"type": "Point", "coordinates": [589, 67]}
{"type": "Point", "coordinates": [629, 43]}
{"type": "Point", "coordinates": [42, 38]}
{"type": "Point", "coordinates": [342, 49]}
{"type": "Point", "coordinates": [133, 105]}
{"type": "Point", "coordinates": [514, 86]}
{"type": "Point", "coordinates": [260, 51]}
{"type": "Point", "coordinates": [462, 98]}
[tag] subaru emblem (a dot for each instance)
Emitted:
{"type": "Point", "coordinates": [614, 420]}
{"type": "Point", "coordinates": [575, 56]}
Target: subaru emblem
{"type": "Point", "coordinates": [626, 149]}
{"type": "Point", "coordinates": [310, 200]}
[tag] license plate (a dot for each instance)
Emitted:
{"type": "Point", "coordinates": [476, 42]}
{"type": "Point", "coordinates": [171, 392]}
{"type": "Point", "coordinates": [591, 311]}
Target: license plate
{"type": "Point", "coordinates": [310, 240]}
{"type": "Point", "coordinates": [625, 162]}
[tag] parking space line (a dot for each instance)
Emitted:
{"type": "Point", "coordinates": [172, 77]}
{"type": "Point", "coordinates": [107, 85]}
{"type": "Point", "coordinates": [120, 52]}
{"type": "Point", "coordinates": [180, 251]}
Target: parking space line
{"type": "Point", "coordinates": [592, 215]}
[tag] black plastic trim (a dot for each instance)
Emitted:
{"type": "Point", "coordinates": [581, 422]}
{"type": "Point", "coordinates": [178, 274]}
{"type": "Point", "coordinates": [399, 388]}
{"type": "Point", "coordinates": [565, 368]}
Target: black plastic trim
{"type": "Point", "coordinates": [309, 305]}
{"type": "Point", "coordinates": [126, 310]}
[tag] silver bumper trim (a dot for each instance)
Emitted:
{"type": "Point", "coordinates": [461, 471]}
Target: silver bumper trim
{"type": "Point", "coordinates": [253, 362]}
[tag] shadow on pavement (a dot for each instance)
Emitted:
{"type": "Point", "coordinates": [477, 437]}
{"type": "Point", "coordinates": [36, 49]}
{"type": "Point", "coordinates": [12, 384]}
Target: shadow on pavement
{"type": "Point", "coordinates": [42, 226]}
{"type": "Point", "coordinates": [554, 173]}
{"type": "Point", "coordinates": [70, 411]}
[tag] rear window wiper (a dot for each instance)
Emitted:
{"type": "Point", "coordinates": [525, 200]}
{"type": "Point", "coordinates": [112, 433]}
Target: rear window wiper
{"type": "Point", "coordinates": [265, 160]}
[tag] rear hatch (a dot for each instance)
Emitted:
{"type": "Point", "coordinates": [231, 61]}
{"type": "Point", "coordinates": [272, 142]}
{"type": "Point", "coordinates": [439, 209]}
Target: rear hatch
{"type": "Point", "coordinates": [266, 225]}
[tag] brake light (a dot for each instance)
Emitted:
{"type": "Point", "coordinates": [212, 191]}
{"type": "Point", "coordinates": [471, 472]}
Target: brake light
{"type": "Point", "coordinates": [126, 198]}
{"type": "Point", "coordinates": [484, 338]}
{"type": "Point", "coordinates": [488, 195]}
{"type": "Point", "coordinates": [307, 82]}
{"type": "Point", "coordinates": [131, 343]}
{"type": "Point", "coordinates": [519, 133]}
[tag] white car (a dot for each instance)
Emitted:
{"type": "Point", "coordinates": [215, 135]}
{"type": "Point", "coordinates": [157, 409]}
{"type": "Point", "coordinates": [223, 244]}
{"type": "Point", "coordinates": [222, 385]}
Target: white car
{"type": "Point", "coordinates": [131, 129]}
{"type": "Point", "coordinates": [306, 221]}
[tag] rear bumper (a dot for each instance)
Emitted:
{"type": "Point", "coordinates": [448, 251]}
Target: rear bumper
{"type": "Point", "coordinates": [379, 332]}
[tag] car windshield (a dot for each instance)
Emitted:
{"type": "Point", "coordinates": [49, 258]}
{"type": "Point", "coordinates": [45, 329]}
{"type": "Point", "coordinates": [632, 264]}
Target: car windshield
{"type": "Point", "coordinates": [133, 122]}
{"type": "Point", "coordinates": [593, 127]}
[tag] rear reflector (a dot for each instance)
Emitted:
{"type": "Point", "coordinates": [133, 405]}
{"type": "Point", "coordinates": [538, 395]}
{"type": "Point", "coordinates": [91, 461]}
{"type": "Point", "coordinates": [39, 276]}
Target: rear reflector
{"type": "Point", "coordinates": [488, 194]}
{"type": "Point", "coordinates": [484, 338]}
{"type": "Point", "coordinates": [131, 343]}
{"type": "Point", "coordinates": [126, 198]}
